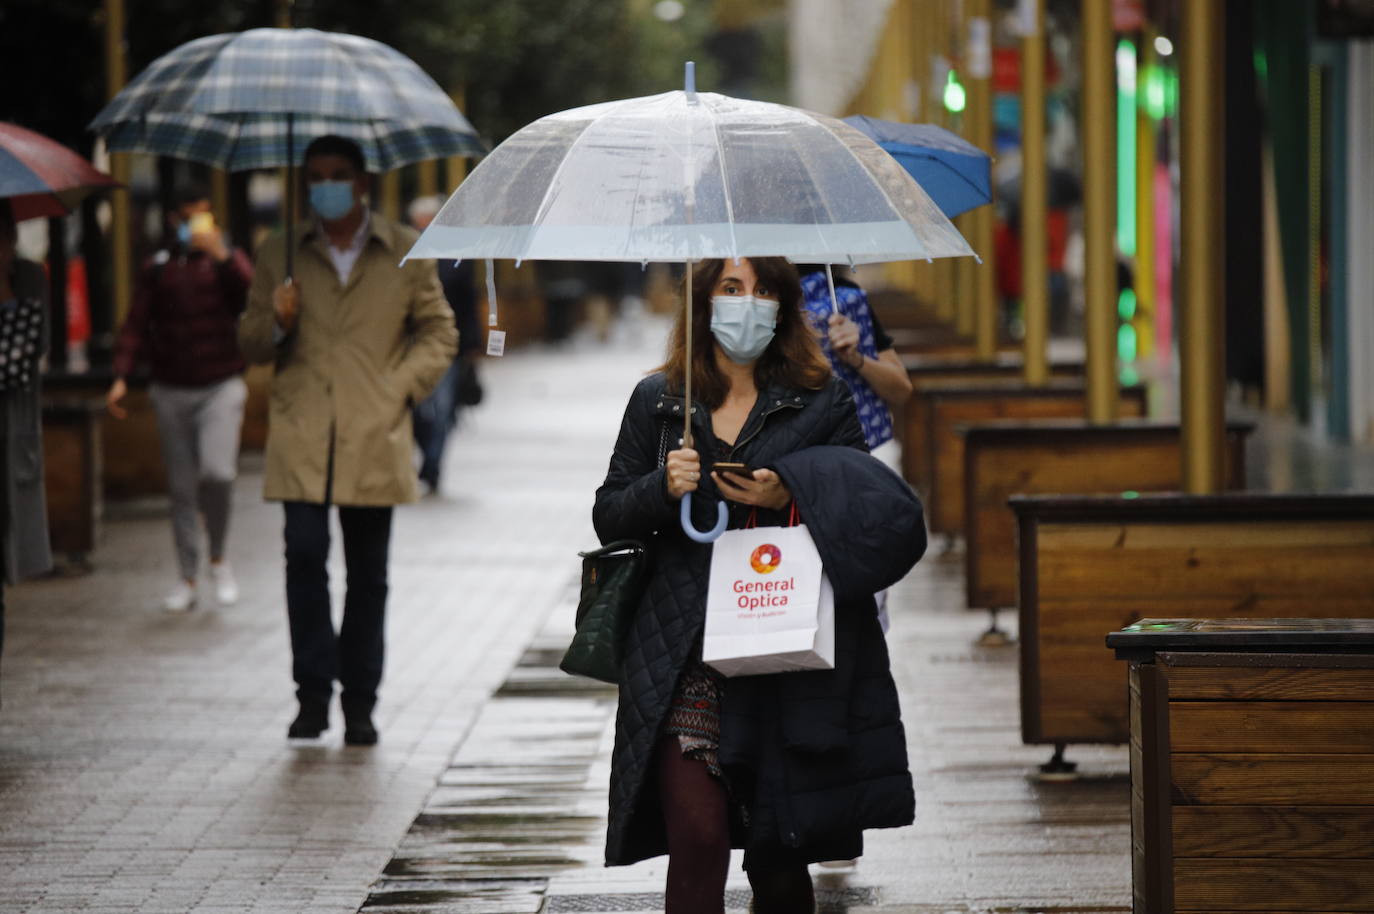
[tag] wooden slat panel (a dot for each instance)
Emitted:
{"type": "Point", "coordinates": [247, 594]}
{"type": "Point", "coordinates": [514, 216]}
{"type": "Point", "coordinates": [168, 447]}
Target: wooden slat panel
{"type": "Point", "coordinates": [1281, 727]}
{"type": "Point", "coordinates": [1080, 682]}
{"type": "Point", "coordinates": [1215, 568]}
{"type": "Point", "coordinates": [1273, 831]}
{"type": "Point", "coordinates": [1273, 780]}
{"type": "Point", "coordinates": [1273, 533]}
{"type": "Point", "coordinates": [1251, 885]}
{"type": "Point", "coordinates": [1143, 460]}
{"type": "Point", "coordinates": [1270, 684]}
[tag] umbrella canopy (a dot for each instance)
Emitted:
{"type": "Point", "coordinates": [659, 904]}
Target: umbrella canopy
{"type": "Point", "coordinates": [41, 177]}
{"type": "Point", "coordinates": [687, 176]}
{"type": "Point", "coordinates": [241, 100]}
{"type": "Point", "coordinates": [956, 174]}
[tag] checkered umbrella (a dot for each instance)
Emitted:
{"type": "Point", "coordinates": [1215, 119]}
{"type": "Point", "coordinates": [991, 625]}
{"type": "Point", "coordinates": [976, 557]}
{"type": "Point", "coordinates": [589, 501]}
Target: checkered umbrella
{"type": "Point", "coordinates": [244, 99]}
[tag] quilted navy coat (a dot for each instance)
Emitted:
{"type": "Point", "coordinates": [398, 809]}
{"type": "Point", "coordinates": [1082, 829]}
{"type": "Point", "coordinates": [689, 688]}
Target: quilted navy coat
{"type": "Point", "coordinates": [815, 757]}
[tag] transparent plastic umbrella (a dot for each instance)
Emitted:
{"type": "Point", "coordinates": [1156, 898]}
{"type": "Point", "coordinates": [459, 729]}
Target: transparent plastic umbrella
{"type": "Point", "coordinates": [686, 176]}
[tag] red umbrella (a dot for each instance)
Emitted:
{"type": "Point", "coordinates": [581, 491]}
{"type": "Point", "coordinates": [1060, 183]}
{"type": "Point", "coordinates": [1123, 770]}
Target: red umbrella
{"type": "Point", "coordinates": [41, 177]}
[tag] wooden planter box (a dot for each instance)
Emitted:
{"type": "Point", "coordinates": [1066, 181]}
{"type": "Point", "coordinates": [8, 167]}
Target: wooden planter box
{"type": "Point", "coordinates": [1252, 765]}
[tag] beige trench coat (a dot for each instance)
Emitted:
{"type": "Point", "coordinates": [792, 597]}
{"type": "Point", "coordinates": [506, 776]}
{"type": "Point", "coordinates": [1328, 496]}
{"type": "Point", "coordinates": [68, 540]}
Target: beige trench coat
{"type": "Point", "coordinates": [362, 353]}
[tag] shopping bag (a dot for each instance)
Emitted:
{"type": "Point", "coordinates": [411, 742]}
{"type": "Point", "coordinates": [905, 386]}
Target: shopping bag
{"type": "Point", "coordinates": [769, 606]}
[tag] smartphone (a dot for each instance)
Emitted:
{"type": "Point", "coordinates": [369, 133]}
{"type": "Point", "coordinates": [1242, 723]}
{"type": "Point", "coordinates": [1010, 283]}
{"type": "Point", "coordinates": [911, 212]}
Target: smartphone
{"type": "Point", "coordinates": [202, 223]}
{"type": "Point", "coordinates": [739, 469]}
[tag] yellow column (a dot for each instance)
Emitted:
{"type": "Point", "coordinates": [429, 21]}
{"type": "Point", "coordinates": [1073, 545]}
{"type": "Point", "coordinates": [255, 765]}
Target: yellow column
{"type": "Point", "coordinates": [427, 178]}
{"type": "Point", "coordinates": [979, 130]}
{"type": "Point", "coordinates": [121, 227]}
{"type": "Point", "coordinates": [937, 63]}
{"type": "Point", "coordinates": [1201, 303]}
{"type": "Point", "coordinates": [456, 167]}
{"type": "Point", "coordinates": [1145, 209]}
{"type": "Point", "coordinates": [1099, 209]}
{"type": "Point", "coordinates": [390, 191]}
{"type": "Point", "coordinates": [962, 267]}
{"type": "Point", "coordinates": [1035, 276]}
{"type": "Point", "coordinates": [219, 196]}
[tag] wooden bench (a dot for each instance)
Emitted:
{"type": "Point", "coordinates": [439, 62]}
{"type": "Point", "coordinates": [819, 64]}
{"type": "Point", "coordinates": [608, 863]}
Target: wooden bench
{"type": "Point", "coordinates": [931, 370]}
{"type": "Point", "coordinates": [1089, 565]}
{"type": "Point", "coordinates": [1252, 765]}
{"type": "Point", "coordinates": [71, 475]}
{"type": "Point", "coordinates": [1003, 458]}
{"type": "Point", "coordinates": [950, 406]}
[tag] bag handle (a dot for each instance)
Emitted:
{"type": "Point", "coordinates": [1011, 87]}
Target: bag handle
{"type": "Point", "coordinates": [793, 517]}
{"type": "Point", "coordinates": [613, 548]}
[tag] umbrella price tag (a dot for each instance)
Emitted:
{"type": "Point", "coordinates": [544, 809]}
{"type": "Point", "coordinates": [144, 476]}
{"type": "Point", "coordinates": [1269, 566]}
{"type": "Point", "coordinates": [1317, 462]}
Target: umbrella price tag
{"type": "Point", "coordinates": [496, 342]}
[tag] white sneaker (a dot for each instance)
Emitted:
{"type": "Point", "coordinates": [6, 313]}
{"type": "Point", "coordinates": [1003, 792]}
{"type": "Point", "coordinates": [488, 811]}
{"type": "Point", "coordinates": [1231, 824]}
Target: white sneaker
{"type": "Point", "coordinates": [226, 588]}
{"type": "Point", "coordinates": [181, 599]}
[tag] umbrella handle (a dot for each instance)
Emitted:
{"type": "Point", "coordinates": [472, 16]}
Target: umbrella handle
{"type": "Point", "coordinates": [709, 536]}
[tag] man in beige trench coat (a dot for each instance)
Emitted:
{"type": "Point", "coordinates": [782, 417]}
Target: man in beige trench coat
{"type": "Point", "coordinates": [356, 341]}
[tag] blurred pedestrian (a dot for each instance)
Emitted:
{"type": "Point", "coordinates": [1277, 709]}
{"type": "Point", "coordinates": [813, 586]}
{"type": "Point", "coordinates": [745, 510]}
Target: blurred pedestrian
{"type": "Point", "coordinates": [859, 350]}
{"type": "Point", "coordinates": [357, 340]}
{"type": "Point", "coordinates": [773, 764]}
{"type": "Point", "coordinates": [23, 328]}
{"type": "Point", "coordinates": [435, 417]}
{"type": "Point", "coordinates": [184, 323]}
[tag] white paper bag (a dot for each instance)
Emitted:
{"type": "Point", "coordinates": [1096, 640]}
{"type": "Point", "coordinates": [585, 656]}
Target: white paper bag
{"type": "Point", "coordinates": [769, 606]}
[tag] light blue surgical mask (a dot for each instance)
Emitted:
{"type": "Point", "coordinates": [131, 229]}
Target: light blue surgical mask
{"type": "Point", "coordinates": [743, 325]}
{"type": "Point", "coordinates": [331, 199]}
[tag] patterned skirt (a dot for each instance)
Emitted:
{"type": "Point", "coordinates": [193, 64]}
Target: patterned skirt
{"type": "Point", "coordinates": [694, 715]}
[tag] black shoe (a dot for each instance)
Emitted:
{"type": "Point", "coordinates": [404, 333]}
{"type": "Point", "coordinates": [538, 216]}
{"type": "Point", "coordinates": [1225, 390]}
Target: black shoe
{"type": "Point", "coordinates": [358, 729]}
{"type": "Point", "coordinates": [311, 720]}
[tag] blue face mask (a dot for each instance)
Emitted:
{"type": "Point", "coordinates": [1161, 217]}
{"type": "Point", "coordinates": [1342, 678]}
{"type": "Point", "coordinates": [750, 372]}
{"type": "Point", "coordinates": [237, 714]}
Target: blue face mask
{"type": "Point", "coordinates": [743, 325]}
{"type": "Point", "coordinates": [331, 199]}
{"type": "Point", "coordinates": [184, 234]}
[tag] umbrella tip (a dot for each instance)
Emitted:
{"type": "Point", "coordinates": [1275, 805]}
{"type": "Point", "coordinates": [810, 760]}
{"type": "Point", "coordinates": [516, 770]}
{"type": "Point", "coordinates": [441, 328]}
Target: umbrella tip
{"type": "Point", "coordinates": [689, 78]}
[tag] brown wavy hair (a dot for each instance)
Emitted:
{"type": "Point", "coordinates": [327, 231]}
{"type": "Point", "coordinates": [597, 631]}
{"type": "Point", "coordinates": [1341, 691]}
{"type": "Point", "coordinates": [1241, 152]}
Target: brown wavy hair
{"type": "Point", "coordinates": [792, 359]}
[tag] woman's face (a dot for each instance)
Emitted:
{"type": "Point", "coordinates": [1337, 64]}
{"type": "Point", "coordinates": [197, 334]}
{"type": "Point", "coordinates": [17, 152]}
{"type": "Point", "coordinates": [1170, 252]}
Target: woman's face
{"type": "Point", "coordinates": [739, 279]}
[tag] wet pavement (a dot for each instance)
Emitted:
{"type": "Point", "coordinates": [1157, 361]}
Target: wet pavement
{"type": "Point", "coordinates": [143, 764]}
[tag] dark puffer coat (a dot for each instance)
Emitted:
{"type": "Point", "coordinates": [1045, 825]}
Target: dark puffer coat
{"type": "Point", "coordinates": [817, 757]}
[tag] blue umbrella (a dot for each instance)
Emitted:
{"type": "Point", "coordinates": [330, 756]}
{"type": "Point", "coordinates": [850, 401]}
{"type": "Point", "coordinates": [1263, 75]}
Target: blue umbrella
{"type": "Point", "coordinates": [956, 174]}
{"type": "Point", "coordinates": [242, 100]}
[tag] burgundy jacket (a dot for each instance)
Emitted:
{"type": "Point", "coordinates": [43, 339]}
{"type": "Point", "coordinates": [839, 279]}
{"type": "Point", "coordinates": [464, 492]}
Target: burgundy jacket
{"type": "Point", "coordinates": [184, 319]}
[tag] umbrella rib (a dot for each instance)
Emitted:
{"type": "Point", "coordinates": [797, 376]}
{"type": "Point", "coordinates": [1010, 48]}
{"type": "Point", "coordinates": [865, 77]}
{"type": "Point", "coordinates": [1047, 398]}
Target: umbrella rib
{"type": "Point", "coordinates": [896, 211]}
{"type": "Point", "coordinates": [545, 202]}
{"type": "Point", "coordinates": [724, 184]}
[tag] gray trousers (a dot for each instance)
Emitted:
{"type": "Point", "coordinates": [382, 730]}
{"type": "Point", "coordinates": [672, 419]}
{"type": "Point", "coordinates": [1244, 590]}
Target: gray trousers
{"type": "Point", "coordinates": [199, 427]}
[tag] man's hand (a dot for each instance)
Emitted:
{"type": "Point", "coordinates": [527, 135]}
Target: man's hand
{"type": "Point", "coordinates": [844, 340]}
{"type": "Point", "coordinates": [118, 390]}
{"type": "Point", "coordinates": [212, 244]}
{"type": "Point", "coordinates": [286, 304]}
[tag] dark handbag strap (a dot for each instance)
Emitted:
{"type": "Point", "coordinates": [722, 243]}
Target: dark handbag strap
{"type": "Point", "coordinates": [613, 548]}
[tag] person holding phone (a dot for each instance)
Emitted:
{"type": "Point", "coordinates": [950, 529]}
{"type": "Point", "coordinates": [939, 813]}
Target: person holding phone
{"type": "Point", "coordinates": [183, 324]}
{"type": "Point", "coordinates": [702, 763]}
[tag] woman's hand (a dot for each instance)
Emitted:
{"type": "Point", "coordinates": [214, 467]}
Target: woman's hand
{"type": "Point", "coordinates": [683, 471]}
{"type": "Point", "coordinates": [844, 340]}
{"type": "Point", "coordinates": [117, 392]}
{"type": "Point", "coordinates": [765, 489]}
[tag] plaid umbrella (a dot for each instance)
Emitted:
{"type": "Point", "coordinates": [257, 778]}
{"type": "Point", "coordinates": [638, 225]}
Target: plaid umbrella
{"type": "Point", "coordinates": [41, 177]}
{"type": "Point", "coordinates": [241, 100]}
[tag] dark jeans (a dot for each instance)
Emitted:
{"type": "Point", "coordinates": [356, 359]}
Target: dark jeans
{"type": "Point", "coordinates": [354, 656]}
{"type": "Point", "coordinates": [433, 419]}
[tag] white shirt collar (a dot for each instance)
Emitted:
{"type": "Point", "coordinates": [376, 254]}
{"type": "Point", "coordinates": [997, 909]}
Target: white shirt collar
{"type": "Point", "coordinates": [344, 259]}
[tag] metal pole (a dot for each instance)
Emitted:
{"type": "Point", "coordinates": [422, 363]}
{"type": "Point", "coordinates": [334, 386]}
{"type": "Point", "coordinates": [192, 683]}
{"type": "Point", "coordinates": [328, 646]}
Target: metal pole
{"type": "Point", "coordinates": [1035, 278]}
{"type": "Point", "coordinates": [978, 120]}
{"type": "Point", "coordinates": [121, 226]}
{"type": "Point", "coordinates": [687, 370]}
{"type": "Point", "coordinates": [1099, 209]}
{"type": "Point", "coordinates": [1203, 245]}
{"type": "Point", "coordinates": [1145, 211]}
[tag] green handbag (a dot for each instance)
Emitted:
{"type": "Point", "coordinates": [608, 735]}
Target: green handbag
{"type": "Point", "coordinates": [612, 583]}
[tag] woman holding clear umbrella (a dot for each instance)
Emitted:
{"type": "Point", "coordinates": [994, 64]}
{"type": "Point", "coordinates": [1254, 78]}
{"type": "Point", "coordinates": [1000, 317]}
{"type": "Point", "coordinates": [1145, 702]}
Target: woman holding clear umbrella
{"type": "Point", "coordinates": [791, 767]}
